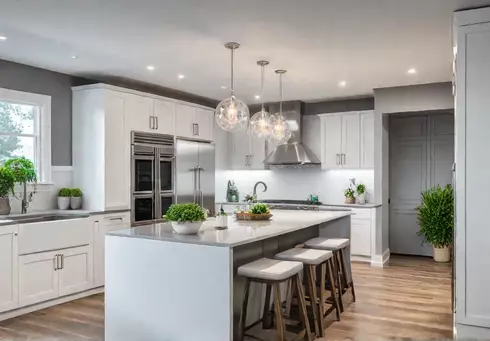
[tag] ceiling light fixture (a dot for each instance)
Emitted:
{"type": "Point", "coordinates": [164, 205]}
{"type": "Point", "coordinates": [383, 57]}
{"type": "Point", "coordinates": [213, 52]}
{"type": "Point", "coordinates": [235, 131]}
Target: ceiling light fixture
{"type": "Point", "coordinates": [232, 114]}
{"type": "Point", "coordinates": [223, 87]}
{"type": "Point", "coordinates": [342, 84]}
{"type": "Point", "coordinates": [150, 67]}
{"type": "Point", "coordinates": [280, 132]}
{"type": "Point", "coordinates": [412, 71]}
{"type": "Point", "coordinates": [260, 121]}
{"type": "Point", "coordinates": [74, 56]}
{"type": "Point", "coordinates": [181, 76]}
{"type": "Point", "coordinates": [3, 38]}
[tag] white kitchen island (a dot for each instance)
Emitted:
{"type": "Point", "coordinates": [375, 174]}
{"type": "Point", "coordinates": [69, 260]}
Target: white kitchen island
{"type": "Point", "coordinates": [164, 286]}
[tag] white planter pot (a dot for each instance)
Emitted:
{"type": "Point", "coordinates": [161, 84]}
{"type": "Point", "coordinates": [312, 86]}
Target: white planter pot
{"type": "Point", "coordinates": [63, 203]}
{"type": "Point", "coordinates": [76, 203]}
{"type": "Point", "coordinates": [186, 228]}
{"type": "Point", "coordinates": [4, 206]}
{"type": "Point", "coordinates": [442, 254]}
{"type": "Point", "coordinates": [222, 221]}
{"type": "Point", "coordinates": [361, 198]}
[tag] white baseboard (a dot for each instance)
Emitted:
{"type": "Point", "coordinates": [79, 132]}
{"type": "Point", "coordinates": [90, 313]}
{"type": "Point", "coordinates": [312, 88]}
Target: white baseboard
{"type": "Point", "coordinates": [380, 260]}
{"type": "Point", "coordinates": [361, 259]}
{"type": "Point", "coordinates": [61, 168]}
{"type": "Point", "coordinates": [24, 310]}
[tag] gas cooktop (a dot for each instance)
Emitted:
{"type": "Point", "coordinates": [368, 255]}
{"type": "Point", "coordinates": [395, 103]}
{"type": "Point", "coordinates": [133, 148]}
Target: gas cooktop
{"type": "Point", "coordinates": [292, 204]}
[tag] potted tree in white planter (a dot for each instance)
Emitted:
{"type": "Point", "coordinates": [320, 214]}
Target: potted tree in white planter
{"type": "Point", "coordinates": [436, 220]}
{"type": "Point", "coordinates": [185, 218]}
{"type": "Point", "coordinates": [7, 182]}
{"type": "Point", "coordinates": [64, 198]}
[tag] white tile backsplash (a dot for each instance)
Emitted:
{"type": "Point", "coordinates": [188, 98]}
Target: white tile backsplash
{"type": "Point", "coordinates": [296, 184]}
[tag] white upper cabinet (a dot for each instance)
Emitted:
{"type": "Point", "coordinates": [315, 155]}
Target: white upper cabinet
{"type": "Point", "coordinates": [163, 116]}
{"type": "Point", "coordinates": [246, 152]}
{"type": "Point", "coordinates": [193, 122]}
{"type": "Point", "coordinates": [347, 140]}
{"type": "Point", "coordinates": [139, 113]}
{"type": "Point", "coordinates": [367, 140]}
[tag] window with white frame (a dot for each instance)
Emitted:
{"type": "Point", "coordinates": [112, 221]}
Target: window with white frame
{"type": "Point", "coordinates": [25, 129]}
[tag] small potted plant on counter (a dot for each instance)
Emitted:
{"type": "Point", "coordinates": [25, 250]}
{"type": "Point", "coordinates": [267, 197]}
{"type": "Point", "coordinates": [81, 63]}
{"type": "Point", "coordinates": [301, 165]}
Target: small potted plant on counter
{"type": "Point", "coordinates": [64, 198]}
{"type": "Point", "coordinates": [76, 199]}
{"type": "Point", "coordinates": [185, 218]}
{"type": "Point", "coordinates": [350, 197]}
{"type": "Point", "coordinates": [436, 220]}
{"type": "Point", "coordinates": [7, 182]}
{"type": "Point", "coordinates": [361, 194]}
{"type": "Point", "coordinates": [257, 212]}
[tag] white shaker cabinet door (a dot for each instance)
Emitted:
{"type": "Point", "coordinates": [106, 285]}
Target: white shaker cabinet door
{"type": "Point", "coordinates": [331, 141]}
{"type": "Point", "coordinates": [360, 237]}
{"type": "Point", "coordinates": [240, 149]}
{"type": "Point", "coordinates": [205, 124]}
{"type": "Point", "coordinates": [163, 113]}
{"type": "Point", "coordinates": [257, 153]}
{"type": "Point", "coordinates": [38, 277]}
{"type": "Point", "coordinates": [76, 272]}
{"type": "Point", "coordinates": [367, 140]}
{"type": "Point", "coordinates": [139, 113]}
{"type": "Point", "coordinates": [8, 268]}
{"type": "Point", "coordinates": [184, 121]}
{"type": "Point", "coordinates": [350, 141]}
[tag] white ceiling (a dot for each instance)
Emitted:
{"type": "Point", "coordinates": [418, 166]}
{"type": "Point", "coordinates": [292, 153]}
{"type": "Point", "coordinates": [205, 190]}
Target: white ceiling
{"type": "Point", "coordinates": [367, 43]}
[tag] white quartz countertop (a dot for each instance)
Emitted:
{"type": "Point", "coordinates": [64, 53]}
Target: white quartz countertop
{"type": "Point", "coordinates": [238, 232]}
{"type": "Point", "coordinates": [322, 206]}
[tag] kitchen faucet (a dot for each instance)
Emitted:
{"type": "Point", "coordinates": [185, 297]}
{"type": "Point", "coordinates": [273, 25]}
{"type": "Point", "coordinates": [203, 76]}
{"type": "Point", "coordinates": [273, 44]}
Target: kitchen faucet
{"type": "Point", "coordinates": [255, 188]}
{"type": "Point", "coordinates": [25, 200]}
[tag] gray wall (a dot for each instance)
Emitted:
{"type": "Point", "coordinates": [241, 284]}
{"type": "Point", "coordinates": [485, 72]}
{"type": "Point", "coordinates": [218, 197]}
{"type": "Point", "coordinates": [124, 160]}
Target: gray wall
{"type": "Point", "coordinates": [326, 107]}
{"type": "Point", "coordinates": [26, 78]}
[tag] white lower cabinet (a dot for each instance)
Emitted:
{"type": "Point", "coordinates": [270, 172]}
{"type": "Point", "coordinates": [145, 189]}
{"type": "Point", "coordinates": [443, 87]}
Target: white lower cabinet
{"type": "Point", "coordinates": [47, 275]}
{"type": "Point", "coordinates": [76, 272]}
{"type": "Point", "coordinates": [363, 221]}
{"type": "Point", "coordinates": [38, 277]}
{"type": "Point", "coordinates": [8, 268]}
{"type": "Point", "coordinates": [103, 224]}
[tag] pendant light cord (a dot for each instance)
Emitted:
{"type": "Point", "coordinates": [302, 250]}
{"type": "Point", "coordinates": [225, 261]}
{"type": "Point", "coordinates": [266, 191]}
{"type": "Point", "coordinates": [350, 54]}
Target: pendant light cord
{"type": "Point", "coordinates": [232, 73]}
{"type": "Point", "coordinates": [262, 86]}
{"type": "Point", "coordinates": [280, 90]}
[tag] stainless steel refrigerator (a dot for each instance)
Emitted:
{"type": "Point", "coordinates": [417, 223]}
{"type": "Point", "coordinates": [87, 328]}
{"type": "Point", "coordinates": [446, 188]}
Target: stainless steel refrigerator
{"type": "Point", "coordinates": [194, 170]}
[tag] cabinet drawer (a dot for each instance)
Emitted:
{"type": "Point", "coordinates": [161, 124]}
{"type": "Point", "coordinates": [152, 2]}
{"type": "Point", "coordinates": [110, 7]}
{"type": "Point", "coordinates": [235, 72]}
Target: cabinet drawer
{"type": "Point", "coordinates": [361, 213]}
{"type": "Point", "coordinates": [54, 235]}
{"type": "Point", "coordinates": [122, 219]}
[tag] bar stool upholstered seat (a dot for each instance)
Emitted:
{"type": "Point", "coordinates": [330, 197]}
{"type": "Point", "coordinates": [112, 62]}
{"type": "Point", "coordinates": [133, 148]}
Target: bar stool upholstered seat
{"type": "Point", "coordinates": [270, 269]}
{"type": "Point", "coordinates": [327, 243]}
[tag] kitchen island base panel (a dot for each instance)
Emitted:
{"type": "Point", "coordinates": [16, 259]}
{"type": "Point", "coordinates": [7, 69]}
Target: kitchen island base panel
{"type": "Point", "coordinates": [167, 291]}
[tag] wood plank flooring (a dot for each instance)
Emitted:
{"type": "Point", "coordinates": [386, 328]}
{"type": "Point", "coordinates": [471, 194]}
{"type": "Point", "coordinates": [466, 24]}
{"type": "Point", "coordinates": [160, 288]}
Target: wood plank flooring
{"type": "Point", "coordinates": [411, 298]}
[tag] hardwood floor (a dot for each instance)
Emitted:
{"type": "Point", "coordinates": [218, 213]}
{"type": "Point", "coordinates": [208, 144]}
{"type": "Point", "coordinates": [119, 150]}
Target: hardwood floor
{"type": "Point", "coordinates": [411, 298]}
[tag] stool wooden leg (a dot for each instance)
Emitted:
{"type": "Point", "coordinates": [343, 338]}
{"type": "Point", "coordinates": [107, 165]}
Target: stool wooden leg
{"type": "Point", "coordinates": [350, 284]}
{"type": "Point", "coordinates": [302, 305]}
{"type": "Point", "coordinates": [313, 298]}
{"type": "Point", "coordinates": [279, 320]}
{"type": "Point", "coordinates": [332, 287]}
{"type": "Point", "coordinates": [321, 305]}
{"type": "Point", "coordinates": [244, 309]}
{"type": "Point", "coordinates": [338, 269]}
{"type": "Point", "coordinates": [267, 321]}
{"type": "Point", "coordinates": [289, 297]}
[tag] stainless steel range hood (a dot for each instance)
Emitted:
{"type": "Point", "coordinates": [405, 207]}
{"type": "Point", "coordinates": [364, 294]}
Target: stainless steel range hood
{"type": "Point", "coordinates": [293, 152]}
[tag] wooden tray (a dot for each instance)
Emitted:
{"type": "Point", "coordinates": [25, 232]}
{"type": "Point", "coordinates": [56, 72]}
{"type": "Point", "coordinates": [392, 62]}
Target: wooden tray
{"type": "Point", "coordinates": [250, 216]}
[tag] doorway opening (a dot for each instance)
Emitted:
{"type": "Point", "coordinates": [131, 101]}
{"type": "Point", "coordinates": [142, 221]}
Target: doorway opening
{"type": "Point", "coordinates": [421, 156]}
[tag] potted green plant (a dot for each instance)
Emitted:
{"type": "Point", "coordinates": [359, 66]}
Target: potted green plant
{"type": "Point", "coordinates": [185, 218]}
{"type": "Point", "coordinates": [7, 182]}
{"type": "Point", "coordinates": [349, 194]}
{"type": "Point", "coordinates": [76, 198]}
{"type": "Point", "coordinates": [361, 194]}
{"type": "Point", "coordinates": [24, 173]}
{"type": "Point", "coordinates": [64, 195]}
{"type": "Point", "coordinates": [436, 220]}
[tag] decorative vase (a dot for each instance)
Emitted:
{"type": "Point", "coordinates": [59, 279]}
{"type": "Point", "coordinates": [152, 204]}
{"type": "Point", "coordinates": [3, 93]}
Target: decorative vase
{"type": "Point", "coordinates": [442, 254]}
{"type": "Point", "coordinates": [222, 221]}
{"type": "Point", "coordinates": [63, 203]}
{"type": "Point", "coordinates": [187, 227]}
{"type": "Point", "coordinates": [76, 203]}
{"type": "Point", "coordinates": [4, 206]}
{"type": "Point", "coordinates": [361, 198]}
{"type": "Point", "coordinates": [349, 200]}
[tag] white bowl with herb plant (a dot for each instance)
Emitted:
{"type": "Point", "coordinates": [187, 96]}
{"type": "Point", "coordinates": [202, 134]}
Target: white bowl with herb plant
{"type": "Point", "coordinates": [64, 195]}
{"type": "Point", "coordinates": [185, 218]}
{"type": "Point", "coordinates": [76, 199]}
{"type": "Point", "coordinates": [361, 193]}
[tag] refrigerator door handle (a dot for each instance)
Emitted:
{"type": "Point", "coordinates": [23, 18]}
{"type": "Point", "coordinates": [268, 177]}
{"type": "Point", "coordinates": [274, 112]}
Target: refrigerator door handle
{"type": "Point", "coordinates": [199, 185]}
{"type": "Point", "coordinates": [194, 185]}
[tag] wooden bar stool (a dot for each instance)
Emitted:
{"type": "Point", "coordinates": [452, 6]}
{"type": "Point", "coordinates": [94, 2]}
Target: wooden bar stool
{"type": "Point", "coordinates": [312, 259]}
{"type": "Point", "coordinates": [272, 272]}
{"type": "Point", "coordinates": [337, 246]}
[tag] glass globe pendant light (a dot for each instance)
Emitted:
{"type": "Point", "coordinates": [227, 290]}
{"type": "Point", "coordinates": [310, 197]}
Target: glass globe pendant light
{"type": "Point", "coordinates": [260, 121]}
{"type": "Point", "coordinates": [232, 114]}
{"type": "Point", "coordinates": [280, 132]}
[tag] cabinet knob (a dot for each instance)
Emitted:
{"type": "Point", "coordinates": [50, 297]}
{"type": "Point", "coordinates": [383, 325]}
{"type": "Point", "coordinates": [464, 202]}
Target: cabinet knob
{"type": "Point", "coordinates": [15, 234]}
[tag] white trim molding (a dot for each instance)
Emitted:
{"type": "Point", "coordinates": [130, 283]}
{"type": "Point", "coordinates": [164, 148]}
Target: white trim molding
{"type": "Point", "coordinates": [380, 260]}
{"type": "Point", "coordinates": [62, 168]}
{"type": "Point", "coordinates": [43, 102]}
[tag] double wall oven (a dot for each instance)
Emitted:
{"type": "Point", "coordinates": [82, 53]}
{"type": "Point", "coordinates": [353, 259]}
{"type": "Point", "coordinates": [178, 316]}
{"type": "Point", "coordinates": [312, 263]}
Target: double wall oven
{"type": "Point", "coordinates": [152, 176]}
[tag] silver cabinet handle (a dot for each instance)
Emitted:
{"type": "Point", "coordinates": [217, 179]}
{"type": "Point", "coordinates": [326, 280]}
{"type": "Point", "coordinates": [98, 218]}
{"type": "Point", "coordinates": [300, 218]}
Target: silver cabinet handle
{"type": "Point", "coordinates": [112, 219]}
{"type": "Point", "coordinates": [337, 159]}
{"type": "Point", "coordinates": [156, 119]}
{"type": "Point", "coordinates": [62, 261]}
{"type": "Point", "coordinates": [151, 122]}
{"type": "Point", "coordinates": [194, 126]}
{"type": "Point", "coordinates": [343, 160]}
{"type": "Point", "coordinates": [197, 125]}
{"type": "Point", "coordinates": [246, 160]}
{"type": "Point", "coordinates": [55, 261]}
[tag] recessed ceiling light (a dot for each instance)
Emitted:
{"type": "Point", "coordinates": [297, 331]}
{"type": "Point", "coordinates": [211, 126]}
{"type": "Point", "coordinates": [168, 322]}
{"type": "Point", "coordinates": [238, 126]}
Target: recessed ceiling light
{"type": "Point", "coordinates": [3, 38]}
{"type": "Point", "coordinates": [181, 76]}
{"type": "Point", "coordinates": [257, 97]}
{"type": "Point", "coordinates": [342, 84]}
{"type": "Point", "coordinates": [223, 87]}
{"type": "Point", "coordinates": [150, 67]}
{"type": "Point", "coordinates": [412, 71]}
{"type": "Point", "coordinates": [74, 56]}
